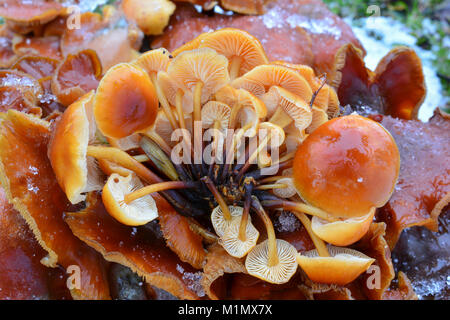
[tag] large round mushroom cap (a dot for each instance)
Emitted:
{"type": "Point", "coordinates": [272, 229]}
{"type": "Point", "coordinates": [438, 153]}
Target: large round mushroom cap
{"type": "Point", "coordinates": [126, 101]}
{"type": "Point", "coordinates": [347, 166]}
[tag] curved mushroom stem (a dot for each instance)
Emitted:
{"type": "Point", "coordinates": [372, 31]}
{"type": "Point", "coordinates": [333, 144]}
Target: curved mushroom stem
{"type": "Point", "coordinates": [244, 220]}
{"type": "Point", "coordinates": [214, 146]}
{"type": "Point", "coordinates": [299, 207]}
{"type": "Point", "coordinates": [273, 256]}
{"type": "Point", "coordinates": [231, 152]}
{"type": "Point", "coordinates": [233, 115]}
{"type": "Point", "coordinates": [257, 174]}
{"type": "Point", "coordinates": [235, 66]}
{"type": "Point", "coordinates": [281, 118]}
{"type": "Point", "coordinates": [318, 243]}
{"type": "Point", "coordinates": [220, 200]}
{"type": "Point", "coordinates": [125, 160]}
{"type": "Point", "coordinates": [253, 156]}
{"type": "Point", "coordinates": [169, 185]}
{"type": "Point", "coordinates": [163, 101]}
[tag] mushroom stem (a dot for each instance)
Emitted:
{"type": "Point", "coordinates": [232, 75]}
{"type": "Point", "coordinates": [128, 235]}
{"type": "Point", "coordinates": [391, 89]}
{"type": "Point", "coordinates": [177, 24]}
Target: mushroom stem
{"type": "Point", "coordinates": [281, 118]}
{"type": "Point", "coordinates": [198, 101]}
{"type": "Point", "coordinates": [231, 152]}
{"type": "Point", "coordinates": [271, 179]}
{"type": "Point", "coordinates": [123, 159]}
{"type": "Point", "coordinates": [169, 185]}
{"type": "Point", "coordinates": [245, 214]}
{"type": "Point", "coordinates": [233, 115]}
{"type": "Point", "coordinates": [235, 66]}
{"type": "Point", "coordinates": [273, 256]}
{"type": "Point", "coordinates": [215, 145]}
{"type": "Point", "coordinates": [220, 200]}
{"type": "Point", "coordinates": [318, 243]}
{"type": "Point", "coordinates": [163, 101]}
{"type": "Point", "coordinates": [252, 157]}
{"type": "Point", "coordinates": [272, 186]}
{"type": "Point", "coordinates": [299, 207]}
{"type": "Point", "coordinates": [257, 174]}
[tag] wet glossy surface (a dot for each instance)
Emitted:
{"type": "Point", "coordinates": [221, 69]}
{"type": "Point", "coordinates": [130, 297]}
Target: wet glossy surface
{"type": "Point", "coordinates": [25, 10]}
{"type": "Point", "coordinates": [39, 46]}
{"type": "Point", "coordinates": [37, 67]}
{"type": "Point", "coordinates": [313, 32]}
{"type": "Point", "coordinates": [22, 276]}
{"type": "Point", "coordinates": [125, 102]}
{"type": "Point", "coordinates": [179, 236]}
{"type": "Point", "coordinates": [424, 256]}
{"type": "Point", "coordinates": [347, 166]}
{"type": "Point", "coordinates": [142, 249]}
{"type": "Point", "coordinates": [109, 38]}
{"type": "Point", "coordinates": [395, 88]}
{"type": "Point", "coordinates": [77, 75]}
{"type": "Point", "coordinates": [23, 154]}
{"type": "Point", "coordinates": [424, 174]}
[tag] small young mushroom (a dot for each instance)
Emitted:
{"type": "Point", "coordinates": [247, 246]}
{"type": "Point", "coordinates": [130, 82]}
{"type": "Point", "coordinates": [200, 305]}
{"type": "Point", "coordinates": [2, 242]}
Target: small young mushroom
{"type": "Point", "coordinates": [342, 266]}
{"type": "Point", "coordinates": [139, 212]}
{"type": "Point", "coordinates": [215, 115]}
{"type": "Point", "coordinates": [151, 16]}
{"type": "Point", "coordinates": [319, 117]}
{"type": "Point", "coordinates": [222, 219]}
{"type": "Point", "coordinates": [177, 96]}
{"type": "Point", "coordinates": [269, 75]}
{"type": "Point", "coordinates": [287, 192]}
{"type": "Point", "coordinates": [321, 98]}
{"type": "Point", "coordinates": [245, 107]}
{"type": "Point", "coordinates": [243, 51]}
{"type": "Point", "coordinates": [347, 166]}
{"type": "Point", "coordinates": [200, 71]}
{"type": "Point", "coordinates": [273, 260]}
{"type": "Point", "coordinates": [237, 244]}
{"type": "Point", "coordinates": [152, 62]}
{"type": "Point", "coordinates": [274, 135]}
{"type": "Point", "coordinates": [285, 108]}
{"type": "Point", "coordinates": [240, 235]}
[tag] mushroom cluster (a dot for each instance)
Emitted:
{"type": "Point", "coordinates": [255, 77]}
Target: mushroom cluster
{"type": "Point", "coordinates": [229, 138]}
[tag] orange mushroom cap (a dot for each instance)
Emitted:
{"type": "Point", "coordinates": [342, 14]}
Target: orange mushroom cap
{"type": "Point", "coordinates": [68, 150]}
{"type": "Point", "coordinates": [347, 166]}
{"type": "Point", "coordinates": [151, 16]}
{"type": "Point", "coordinates": [269, 75]}
{"type": "Point", "coordinates": [342, 266]}
{"type": "Point", "coordinates": [125, 102]}
{"type": "Point", "coordinates": [231, 43]}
